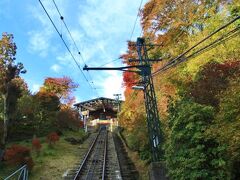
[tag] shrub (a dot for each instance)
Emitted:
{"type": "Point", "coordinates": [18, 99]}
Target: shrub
{"type": "Point", "coordinates": [69, 119]}
{"type": "Point", "coordinates": [189, 152]}
{"type": "Point", "coordinates": [18, 155]}
{"type": "Point", "coordinates": [52, 138]}
{"type": "Point", "coordinates": [36, 145]}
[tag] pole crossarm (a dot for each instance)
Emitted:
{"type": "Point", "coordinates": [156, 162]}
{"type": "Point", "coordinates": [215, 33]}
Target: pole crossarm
{"type": "Point", "coordinates": [113, 68]}
{"type": "Point", "coordinates": [143, 69]}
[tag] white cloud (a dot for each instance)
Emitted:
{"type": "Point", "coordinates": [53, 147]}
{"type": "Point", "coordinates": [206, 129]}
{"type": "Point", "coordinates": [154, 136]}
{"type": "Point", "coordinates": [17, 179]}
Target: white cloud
{"type": "Point", "coordinates": [100, 30]}
{"type": "Point", "coordinates": [109, 82]}
{"type": "Point", "coordinates": [40, 39]}
{"type": "Point", "coordinates": [56, 68]}
{"type": "Point", "coordinates": [109, 29]}
{"type": "Point", "coordinates": [100, 21]}
{"type": "Point", "coordinates": [112, 85]}
{"type": "Point", "coordinates": [38, 42]}
{"type": "Point", "coordinates": [35, 88]}
{"type": "Point", "coordinates": [66, 59]}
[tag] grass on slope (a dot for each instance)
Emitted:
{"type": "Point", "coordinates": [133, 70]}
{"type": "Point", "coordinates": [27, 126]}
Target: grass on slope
{"type": "Point", "coordinates": [52, 162]}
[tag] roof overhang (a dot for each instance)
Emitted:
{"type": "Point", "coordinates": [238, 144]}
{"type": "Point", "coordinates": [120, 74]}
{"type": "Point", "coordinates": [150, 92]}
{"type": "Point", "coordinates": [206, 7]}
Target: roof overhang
{"type": "Point", "coordinates": [99, 103]}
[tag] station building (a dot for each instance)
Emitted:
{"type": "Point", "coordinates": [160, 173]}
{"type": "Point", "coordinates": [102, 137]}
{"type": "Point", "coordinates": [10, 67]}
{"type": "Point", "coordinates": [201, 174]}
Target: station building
{"type": "Point", "coordinates": [100, 111]}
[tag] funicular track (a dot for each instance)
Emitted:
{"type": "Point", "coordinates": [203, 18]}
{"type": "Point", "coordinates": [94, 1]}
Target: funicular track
{"type": "Point", "coordinates": [100, 161]}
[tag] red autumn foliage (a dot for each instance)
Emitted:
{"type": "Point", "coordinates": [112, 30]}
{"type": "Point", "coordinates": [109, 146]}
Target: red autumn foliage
{"type": "Point", "coordinates": [36, 145]}
{"type": "Point", "coordinates": [18, 155]}
{"type": "Point", "coordinates": [129, 79]}
{"type": "Point", "coordinates": [52, 138]}
{"type": "Point", "coordinates": [48, 100]}
{"type": "Point", "coordinates": [62, 87]}
{"type": "Point", "coordinates": [213, 79]}
{"type": "Point", "coordinates": [69, 119]}
{"type": "Point", "coordinates": [81, 124]}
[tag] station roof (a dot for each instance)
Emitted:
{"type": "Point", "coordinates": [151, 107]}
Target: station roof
{"type": "Point", "coordinates": [98, 103]}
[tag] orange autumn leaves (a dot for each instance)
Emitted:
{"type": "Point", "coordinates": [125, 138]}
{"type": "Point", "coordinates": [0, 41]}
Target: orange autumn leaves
{"type": "Point", "coordinates": [62, 88]}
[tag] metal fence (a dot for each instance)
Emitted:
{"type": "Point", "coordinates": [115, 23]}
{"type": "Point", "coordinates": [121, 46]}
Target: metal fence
{"type": "Point", "coordinates": [20, 174]}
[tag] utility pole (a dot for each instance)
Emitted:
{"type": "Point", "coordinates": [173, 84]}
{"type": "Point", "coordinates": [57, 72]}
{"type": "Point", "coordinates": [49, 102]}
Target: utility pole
{"type": "Point", "coordinates": [118, 100]}
{"type": "Point", "coordinates": [153, 120]}
{"type": "Point", "coordinates": [118, 104]}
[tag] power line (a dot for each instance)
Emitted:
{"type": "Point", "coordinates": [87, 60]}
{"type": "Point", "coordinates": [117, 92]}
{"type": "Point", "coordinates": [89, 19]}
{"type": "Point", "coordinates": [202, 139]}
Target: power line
{"type": "Point", "coordinates": [133, 95]}
{"type": "Point", "coordinates": [218, 41]}
{"type": "Point", "coordinates": [109, 62]}
{"type": "Point", "coordinates": [70, 34]}
{"type": "Point", "coordinates": [79, 52]}
{"type": "Point", "coordinates": [135, 22]}
{"type": "Point", "coordinates": [64, 42]}
{"type": "Point", "coordinates": [148, 16]}
{"type": "Point", "coordinates": [181, 56]}
{"type": "Point", "coordinates": [208, 47]}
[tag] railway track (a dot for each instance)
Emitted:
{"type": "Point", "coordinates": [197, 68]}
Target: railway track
{"type": "Point", "coordinates": [100, 161]}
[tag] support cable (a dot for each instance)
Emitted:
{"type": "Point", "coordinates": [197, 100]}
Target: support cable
{"type": "Point", "coordinates": [64, 42]}
{"type": "Point", "coordinates": [181, 56]}
{"type": "Point", "coordinates": [133, 96]}
{"type": "Point", "coordinates": [109, 62]}
{"type": "Point", "coordinates": [70, 34]}
{"type": "Point", "coordinates": [218, 41]}
{"type": "Point", "coordinates": [135, 22]}
{"type": "Point", "coordinates": [148, 16]}
{"type": "Point", "coordinates": [74, 42]}
{"type": "Point", "coordinates": [208, 47]}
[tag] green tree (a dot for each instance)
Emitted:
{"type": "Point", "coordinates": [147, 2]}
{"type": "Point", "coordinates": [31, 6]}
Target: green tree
{"type": "Point", "coordinates": [9, 71]}
{"type": "Point", "coordinates": [47, 105]}
{"type": "Point", "coordinates": [190, 154]}
{"type": "Point", "coordinates": [226, 125]}
{"type": "Point", "coordinates": [25, 124]}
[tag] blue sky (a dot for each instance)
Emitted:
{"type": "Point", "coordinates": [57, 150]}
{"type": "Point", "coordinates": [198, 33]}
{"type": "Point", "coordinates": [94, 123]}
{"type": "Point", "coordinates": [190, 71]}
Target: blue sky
{"type": "Point", "coordinates": [100, 29]}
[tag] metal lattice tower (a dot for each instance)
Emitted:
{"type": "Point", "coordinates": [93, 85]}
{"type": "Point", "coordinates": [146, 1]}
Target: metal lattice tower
{"type": "Point", "coordinates": [153, 120]}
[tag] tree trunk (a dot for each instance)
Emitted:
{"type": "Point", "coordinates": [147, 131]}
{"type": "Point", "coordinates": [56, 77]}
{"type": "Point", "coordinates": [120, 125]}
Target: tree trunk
{"type": "Point", "coordinates": [5, 120]}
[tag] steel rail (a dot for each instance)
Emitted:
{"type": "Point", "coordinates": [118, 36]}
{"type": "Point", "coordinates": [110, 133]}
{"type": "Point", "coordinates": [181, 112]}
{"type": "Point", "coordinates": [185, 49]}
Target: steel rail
{"type": "Point", "coordinates": [105, 157]}
{"type": "Point", "coordinates": [96, 154]}
{"type": "Point", "coordinates": [86, 156]}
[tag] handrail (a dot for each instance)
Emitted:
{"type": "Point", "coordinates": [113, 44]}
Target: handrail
{"type": "Point", "coordinates": [23, 173]}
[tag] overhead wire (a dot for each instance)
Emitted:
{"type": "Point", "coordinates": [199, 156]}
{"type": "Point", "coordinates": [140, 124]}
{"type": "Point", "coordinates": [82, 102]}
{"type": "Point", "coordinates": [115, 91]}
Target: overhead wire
{"type": "Point", "coordinates": [130, 39]}
{"type": "Point", "coordinates": [218, 41]}
{"type": "Point", "coordinates": [148, 16]}
{"type": "Point", "coordinates": [109, 62]}
{"type": "Point", "coordinates": [208, 47]}
{"type": "Point", "coordinates": [131, 35]}
{"type": "Point", "coordinates": [74, 42]}
{"type": "Point", "coordinates": [64, 42]}
{"type": "Point", "coordinates": [135, 22]}
{"type": "Point", "coordinates": [133, 95]}
{"type": "Point", "coordinates": [181, 56]}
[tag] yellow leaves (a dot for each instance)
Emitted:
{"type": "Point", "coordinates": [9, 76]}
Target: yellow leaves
{"type": "Point", "coordinates": [132, 112]}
